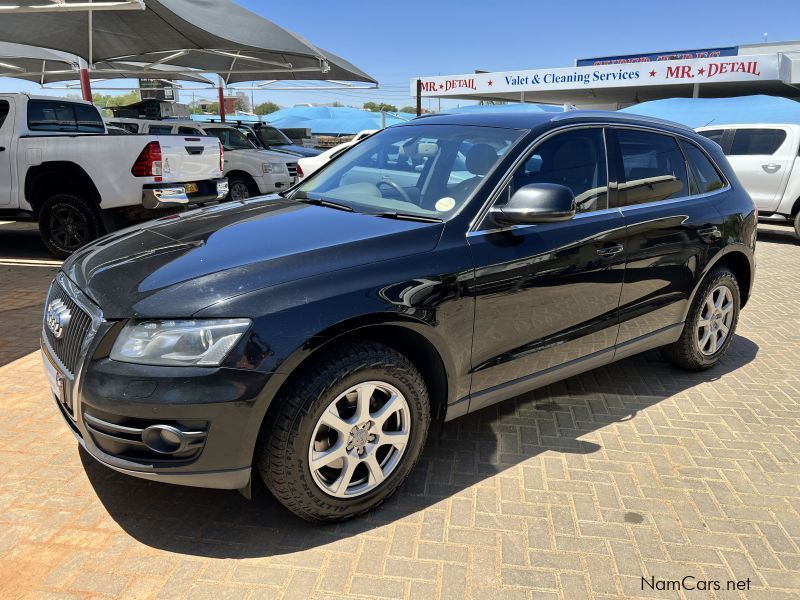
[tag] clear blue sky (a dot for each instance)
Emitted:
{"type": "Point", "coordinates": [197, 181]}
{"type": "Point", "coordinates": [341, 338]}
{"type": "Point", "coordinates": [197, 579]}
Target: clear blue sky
{"type": "Point", "coordinates": [396, 41]}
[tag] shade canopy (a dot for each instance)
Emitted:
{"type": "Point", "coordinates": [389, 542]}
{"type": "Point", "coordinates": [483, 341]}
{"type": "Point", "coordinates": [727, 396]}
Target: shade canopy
{"type": "Point", "coordinates": [213, 36]}
{"type": "Point", "coordinates": [699, 112]}
{"type": "Point", "coordinates": [43, 66]}
{"type": "Point", "coordinates": [333, 120]}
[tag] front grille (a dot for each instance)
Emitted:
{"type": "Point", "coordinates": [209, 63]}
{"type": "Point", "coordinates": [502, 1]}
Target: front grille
{"type": "Point", "coordinates": [130, 438]}
{"type": "Point", "coordinates": [68, 347]}
{"type": "Point", "coordinates": [292, 169]}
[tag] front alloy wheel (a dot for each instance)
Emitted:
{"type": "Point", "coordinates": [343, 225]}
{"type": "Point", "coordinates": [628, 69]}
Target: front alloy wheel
{"type": "Point", "coordinates": [360, 439]}
{"type": "Point", "coordinates": [345, 433]}
{"type": "Point", "coordinates": [239, 191]}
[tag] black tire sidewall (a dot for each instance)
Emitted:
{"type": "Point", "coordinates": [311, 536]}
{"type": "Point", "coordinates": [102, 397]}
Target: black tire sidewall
{"type": "Point", "coordinates": [296, 467]}
{"type": "Point", "coordinates": [93, 223]}
{"type": "Point", "coordinates": [252, 191]}
{"type": "Point", "coordinates": [724, 277]}
{"type": "Point", "coordinates": [797, 225]}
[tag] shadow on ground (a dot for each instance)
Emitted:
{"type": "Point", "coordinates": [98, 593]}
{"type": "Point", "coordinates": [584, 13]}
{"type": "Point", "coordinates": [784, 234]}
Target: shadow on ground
{"type": "Point", "coordinates": [461, 453]}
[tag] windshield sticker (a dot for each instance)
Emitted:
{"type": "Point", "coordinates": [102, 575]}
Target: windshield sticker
{"type": "Point", "coordinates": [445, 204]}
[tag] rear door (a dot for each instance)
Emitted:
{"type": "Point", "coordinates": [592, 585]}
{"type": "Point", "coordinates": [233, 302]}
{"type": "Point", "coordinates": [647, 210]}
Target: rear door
{"type": "Point", "coordinates": [762, 158]}
{"type": "Point", "coordinates": [672, 230]}
{"type": "Point", "coordinates": [6, 133]}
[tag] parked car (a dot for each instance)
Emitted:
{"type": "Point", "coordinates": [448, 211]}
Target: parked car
{"type": "Point", "coordinates": [307, 165]}
{"type": "Point", "coordinates": [58, 166]}
{"type": "Point", "coordinates": [155, 127]}
{"type": "Point", "coordinates": [251, 171]}
{"type": "Point", "coordinates": [310, 338]}
{"type": "Point", "coordinates": [268, 137]}
{"type": "Point", "coordinates": [766, 158]}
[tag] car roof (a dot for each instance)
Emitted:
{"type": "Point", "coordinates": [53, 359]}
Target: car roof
{"type": "Point", "coordinates": [545, 120]}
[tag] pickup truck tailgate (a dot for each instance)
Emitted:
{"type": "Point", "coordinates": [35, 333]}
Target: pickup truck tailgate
{"type": "Point", "coordinates": [189, 158]}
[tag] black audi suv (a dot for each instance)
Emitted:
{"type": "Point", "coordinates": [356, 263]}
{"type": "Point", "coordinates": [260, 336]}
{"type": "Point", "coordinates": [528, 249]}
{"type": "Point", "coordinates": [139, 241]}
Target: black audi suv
{"type": "Point", "coordinates": [437, 267]}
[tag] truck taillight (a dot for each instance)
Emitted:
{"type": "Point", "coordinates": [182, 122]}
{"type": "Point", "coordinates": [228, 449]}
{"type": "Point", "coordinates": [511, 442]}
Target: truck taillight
{"type": "Point", "coordinates": [299, 170]}
{"type": "Point", "coordinates": [221, 161]}
{"type": "Point", "coordinates": [149, 162]}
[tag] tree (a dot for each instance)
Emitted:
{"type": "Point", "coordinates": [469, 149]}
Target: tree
{"type": "Point", "coordinates": [409, 109]}
{"type": "Point", "coordinates": [381, 107]}
{"type": "Point", "coordinates": [266, 108]}
{"type": "Point", "coordinates": [107, 100]}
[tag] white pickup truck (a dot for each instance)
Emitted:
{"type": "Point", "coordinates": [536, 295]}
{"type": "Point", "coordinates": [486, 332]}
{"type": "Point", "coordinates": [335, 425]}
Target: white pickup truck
{"type": "Point", "coordinates": [59, 166]}
{"type": "Point", "coordinates": [766, 159]}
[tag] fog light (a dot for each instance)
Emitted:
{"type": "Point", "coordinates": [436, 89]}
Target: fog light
{"type": "Point", "coordinates": [164, 439]}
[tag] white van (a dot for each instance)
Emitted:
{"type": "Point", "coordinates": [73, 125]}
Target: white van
{"type": "Point", "coordinates": [766, 159]}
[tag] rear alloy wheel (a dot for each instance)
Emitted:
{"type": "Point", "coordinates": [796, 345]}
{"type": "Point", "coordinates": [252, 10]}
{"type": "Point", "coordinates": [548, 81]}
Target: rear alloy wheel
{"type": "Point", "coordinates": [710, 324]}
{"type": "Point", "coordinates": [797, 224]}
{"type": "Point", "coordinates": [67, 222]}
{"type": "Point", "coordinates": [346, 433]}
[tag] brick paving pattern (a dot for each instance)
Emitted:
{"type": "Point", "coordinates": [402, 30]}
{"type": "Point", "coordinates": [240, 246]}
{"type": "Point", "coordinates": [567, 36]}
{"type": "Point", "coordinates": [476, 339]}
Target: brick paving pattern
{"type": "Point", "coordinates": [577, 490]}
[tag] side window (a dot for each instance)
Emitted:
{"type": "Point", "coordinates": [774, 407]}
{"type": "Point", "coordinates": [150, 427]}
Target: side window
{"type": "Point", "coordinates": [51, 115]}
{"type": "Point", "coordinates": [653, 168]}
{"type": "Point", "coordinates": [715, 135]}
{"type": "Point", "coordinates": [756, 141]}
{"type": "Point", "coordinates": [4, 108]}
{"type": "Point", "coordinates": [160, 129]}
{"type": "Point", "coordinates": [189, 131]}
{"type": "Point", "coordinates": [88, 119]}
{"type": "Point", "coordinates": [575, 159]}
{"type": "Point", "coordinates": [705, 177]}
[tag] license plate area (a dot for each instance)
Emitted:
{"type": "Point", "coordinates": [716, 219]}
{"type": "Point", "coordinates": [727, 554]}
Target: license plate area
{"type": "Point", "coordinates": [191, 188]}
{"type": "Point", "coordinates": [57, 380]}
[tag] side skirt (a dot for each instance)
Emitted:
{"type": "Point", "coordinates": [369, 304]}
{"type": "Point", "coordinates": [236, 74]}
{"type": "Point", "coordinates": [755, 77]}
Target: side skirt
{"type": "Point", "coordinates": [498, 393]}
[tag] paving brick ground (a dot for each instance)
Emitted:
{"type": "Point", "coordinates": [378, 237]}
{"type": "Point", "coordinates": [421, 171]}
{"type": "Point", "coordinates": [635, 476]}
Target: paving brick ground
{"type": "Point", "coordinates": [577, 490]}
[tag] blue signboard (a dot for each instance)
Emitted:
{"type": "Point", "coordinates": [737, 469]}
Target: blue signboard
{"type": "Point", "coordinates": [658, 56]}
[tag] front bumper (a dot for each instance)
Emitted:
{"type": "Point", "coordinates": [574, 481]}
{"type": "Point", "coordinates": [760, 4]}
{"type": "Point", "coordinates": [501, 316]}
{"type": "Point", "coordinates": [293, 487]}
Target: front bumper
{"type": "Point", "coordinates": [172, 195]}
{"type": "Point", "coordinates": [116, 411]}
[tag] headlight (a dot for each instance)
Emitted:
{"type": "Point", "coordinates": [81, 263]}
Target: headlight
{"type": "Point", "coordinates": [273, 167]}
{"type": "Point", "coordinates": [198, 342]}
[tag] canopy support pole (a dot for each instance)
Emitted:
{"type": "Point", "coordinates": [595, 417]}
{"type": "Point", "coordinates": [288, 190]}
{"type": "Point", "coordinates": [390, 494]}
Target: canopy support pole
{"type": "Point", "coordinates": [419, 97]}
{"type": "Point", "coordinates": [86, 85]}
{"type": "Point", "coordinates": [221, 102]}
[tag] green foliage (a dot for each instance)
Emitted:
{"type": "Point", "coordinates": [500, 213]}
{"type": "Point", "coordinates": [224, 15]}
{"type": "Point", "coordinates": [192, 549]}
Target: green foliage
{"type": "Point", "coordinates": [372, 106]}
{"type": "Point", "coordinates": [409, 109]}
{"type": "Point", "coordinates": [266, 108]}
{"type": "Point", "coordinates": [107, 100]}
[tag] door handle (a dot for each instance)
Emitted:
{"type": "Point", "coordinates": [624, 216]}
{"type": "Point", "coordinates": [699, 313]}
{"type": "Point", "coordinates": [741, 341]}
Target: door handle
{"type": "Point", "coordinates": [771, 167]}
{"type": "Point", "coordinates": [709, 234]}
{"type": "Point", "coordinates": [2, 148]}
{"type": "Point", "coordinates": [609, 251]}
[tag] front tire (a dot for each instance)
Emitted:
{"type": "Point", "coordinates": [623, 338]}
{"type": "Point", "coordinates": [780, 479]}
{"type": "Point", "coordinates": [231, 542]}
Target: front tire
{"type": "Point", "coordinates": [241, 188]}
{"type": "Point", "coordinates": [346, 434]}
{"type": "Point", "coordinates": [67, 222]}
{"type": "Point", "coordinates": [710, 325]}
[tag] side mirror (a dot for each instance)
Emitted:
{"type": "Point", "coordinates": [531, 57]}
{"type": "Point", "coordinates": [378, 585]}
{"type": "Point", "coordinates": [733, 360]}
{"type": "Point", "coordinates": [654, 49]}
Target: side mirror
{"type": "Point", "coordinates": [536, 203]}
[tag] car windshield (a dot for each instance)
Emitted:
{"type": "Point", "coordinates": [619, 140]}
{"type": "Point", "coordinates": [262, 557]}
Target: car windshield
{"type": "Point", "coordinates": [422, 170]}
{"type": "Point", "coordinates": [231, 138]}
{"type": "Point", "coordinates": [272, 137]}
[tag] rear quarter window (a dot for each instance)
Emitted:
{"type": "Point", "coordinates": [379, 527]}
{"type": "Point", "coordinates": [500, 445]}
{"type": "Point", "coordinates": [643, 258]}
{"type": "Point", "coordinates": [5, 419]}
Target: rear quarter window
{"type": "Point", "coordinates": [56, 115]}
{"type": "Point", "coordinates": [704, 175]}
{"type": "Point", "coordinates": [756, 141]}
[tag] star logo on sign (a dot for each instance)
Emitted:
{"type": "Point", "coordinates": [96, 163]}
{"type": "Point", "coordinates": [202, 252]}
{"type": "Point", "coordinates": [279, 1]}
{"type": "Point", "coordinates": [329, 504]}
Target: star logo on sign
{"type": "Point", "coordinates": [489, 83]}
{"type": "Point", "coordinates": [441, 86]}
{"type": "Point", "coordinates": [700, 71]}
{"type": "Point", "coordinates": [653, 73]}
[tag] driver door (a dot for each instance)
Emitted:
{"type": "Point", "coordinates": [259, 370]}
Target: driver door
{"type": "Point", "coordinates": [547, 295]}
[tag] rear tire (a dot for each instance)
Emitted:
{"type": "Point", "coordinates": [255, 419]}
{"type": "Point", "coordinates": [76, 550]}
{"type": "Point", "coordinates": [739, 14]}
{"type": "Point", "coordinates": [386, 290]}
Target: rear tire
{"type": "Point", "coordinates": [359, 458]}
{"type": "Point", "coordinates": [240, 188]}
{"type": "Point", "coordinates": [797, 224]}
{"type": "Point", "coordinates": [68, 222]}
{"type": "Point", "coordinates": [710, 325]}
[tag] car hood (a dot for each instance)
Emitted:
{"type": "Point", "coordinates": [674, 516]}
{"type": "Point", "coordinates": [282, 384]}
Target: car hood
{"type": "Point", "coordinates": [294, 150]}
{"type": "Point", "coordinates": [176, 266]}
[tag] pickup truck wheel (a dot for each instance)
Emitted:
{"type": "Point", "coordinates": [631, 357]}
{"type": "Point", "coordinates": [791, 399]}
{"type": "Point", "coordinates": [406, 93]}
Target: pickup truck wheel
{"type": "Point", "coordinates": [241, 188]}
{"type": "Point", "coordinates": [710, 324]}
{"type": "Point", "coordinates": [346, 434]}
{"type": "Point", "coordinates": [67, 222]}
{"type": "Point", "coordinates": [797, 224]}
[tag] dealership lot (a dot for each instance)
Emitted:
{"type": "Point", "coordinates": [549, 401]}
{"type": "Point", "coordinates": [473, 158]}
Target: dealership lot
{"type": "Point", "coordinates": [633, 470]}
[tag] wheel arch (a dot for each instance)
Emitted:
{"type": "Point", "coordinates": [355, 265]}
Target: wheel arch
{"type": "Point", "coordinates": [410, 337]}
{"type": "Point", "coordinates": [740, 262]}
{"type": "Point", "coordinates": [55, 177]}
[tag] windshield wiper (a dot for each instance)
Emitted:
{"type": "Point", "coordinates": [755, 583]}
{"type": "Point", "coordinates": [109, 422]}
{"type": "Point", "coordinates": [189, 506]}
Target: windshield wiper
{"type": "Point", "coordinates": [301, 196]}
{"type": "Point", "coordinates": [406, 217]}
